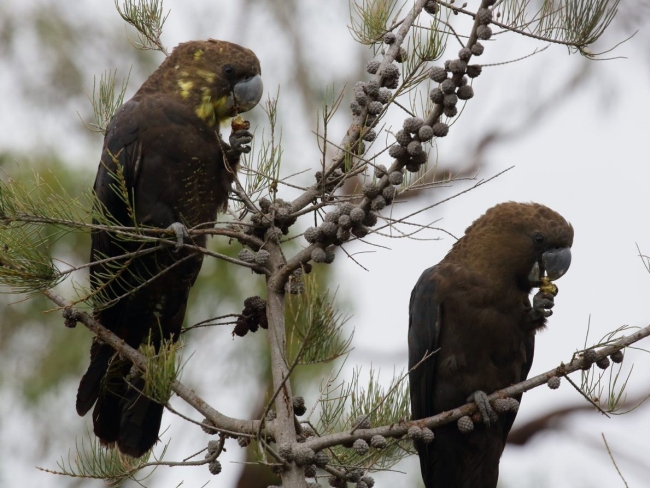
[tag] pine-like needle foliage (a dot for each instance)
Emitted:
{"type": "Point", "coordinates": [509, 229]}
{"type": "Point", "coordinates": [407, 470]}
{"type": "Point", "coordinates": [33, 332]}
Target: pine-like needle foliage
{"type": "Point", "coordinates": [148, 17]}
{"type": "Point", "coordinates": [33, 215]}
{"type": "Point", "coordinates": [577, 23]}
{"type": "Point", "coordinates": [105, 100]}
{"type": "Point", "coordinates": [264, 175]}
{"type": "Point", "coordinates": [93, 461]}
{"type": "Point", "coordinates": [25, 263]}
{"type": "Point", "coordinates": [607, 388]}
{"type": "Point", "coordinates": [342, 404]}
{"type": "Point", "coordinates": [369, 19]}
{"type": "Point", "coordinates": [36, 201]}
{"type": "Point", "coordinates": [162, 369]}
{"type": "Point", "coordinates": [317, 326]}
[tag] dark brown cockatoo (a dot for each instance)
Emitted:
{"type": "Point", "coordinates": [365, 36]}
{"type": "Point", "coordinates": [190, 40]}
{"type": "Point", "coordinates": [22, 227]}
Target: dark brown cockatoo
{"type": "Point", "coordinates": [472, 313]}
{"type": "Point", "coordinates": [164, 165]}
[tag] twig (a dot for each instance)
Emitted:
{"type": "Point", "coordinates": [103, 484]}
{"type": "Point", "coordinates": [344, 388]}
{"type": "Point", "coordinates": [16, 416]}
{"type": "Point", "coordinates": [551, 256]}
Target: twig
{"type": "Point", "coordinates": [138, 253]}
{"type": "Point", "coordinates": [203, 425]}
{"type": "Point", "coordinates": [208, 322]}
{"type": "Point", "coordinates": [136, 233]}
{"type": "Point", "coordinates": [586, 397]}
{"type": "Point", "coordinates": [208, 460]}
{"type": "Point", "coordinates": [536, 51]}
{"type": "Point", "coordinates": [512, 29]}
{"type": "Point", "coordinates": [353, 259]}
{"type": "Point", "coordinates": [396, 385]}
{"type": "Point", "coordinates": [473, 187]}
{"type": "Point", "coordinates": [611, 456]}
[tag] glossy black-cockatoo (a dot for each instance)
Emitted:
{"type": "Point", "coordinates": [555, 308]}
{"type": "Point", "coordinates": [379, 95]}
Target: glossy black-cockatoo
{"type": "Point", "coordinates": [164, 165]}
{"type": "Point", "coordinates": [473, 314]}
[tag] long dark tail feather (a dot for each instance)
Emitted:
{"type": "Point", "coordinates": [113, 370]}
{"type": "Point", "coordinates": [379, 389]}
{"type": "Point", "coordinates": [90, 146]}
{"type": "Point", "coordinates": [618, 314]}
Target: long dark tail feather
{"type": "Point", "coordinates": [106, 418]}
{"type": "Point", "coordinates": [90, 384]}
{"type": "Point", "coordinates": [428, 463]}
{"type": "Point", "coordinates": [140, 421]}
{"type": "Point", "coordinates": [108, 409]}
{"type": "Point", "coordinates": [123, 415]}
{"type": "Point", "coordinates": [462, 461]}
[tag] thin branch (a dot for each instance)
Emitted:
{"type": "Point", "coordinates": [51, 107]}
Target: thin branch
{"type": "Point", "coordinates": [138, 253]}
{"type": "Point", "coordinates": [536, 51]}
{"type": "Point", "coordinates": [353, 132]}
{"type": "Point", "coordinates": [587, 397]}
{"type": "Point", "coordinates": [220, 421]}
{"type": "Point", "coordinates": [203, 425]}
{"type": "Point", "coordinates": [399, 430]}
{"type": "Point", "coordinates": [208, 460]}
{"type": "Point", "coordinates": [134, 232]}
{"type": "Point", "coordinates": [516, 30]}
{"type": "Point", "coordinates": [210, 322]}
{"type": "Point", "coordinates": [473, 187]}
{"type": "Point", "coordinates": [353, 259]}
{"type": "Point", "coordinates": [611, 456]}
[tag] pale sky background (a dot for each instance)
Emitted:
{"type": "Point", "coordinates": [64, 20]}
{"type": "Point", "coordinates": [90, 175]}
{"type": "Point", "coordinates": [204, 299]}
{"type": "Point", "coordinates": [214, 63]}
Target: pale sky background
{"type": "Point", "coordinates": [587, 159]}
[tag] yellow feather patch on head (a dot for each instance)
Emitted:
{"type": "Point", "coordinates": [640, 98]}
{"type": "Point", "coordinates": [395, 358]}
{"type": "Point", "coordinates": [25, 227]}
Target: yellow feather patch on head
{"type": "Point", "coordinates": [218, 106]}
{"type": "Point", "coordinates": [208, 76]}
{"type": "Point", "coordinates": [205, 111]}
{"type": "Point", "coordinates": [198, 54]}
{"type": "Point", "coordinates": [186, 87]}
{"type": "Point", "coordinates": [211, 110]}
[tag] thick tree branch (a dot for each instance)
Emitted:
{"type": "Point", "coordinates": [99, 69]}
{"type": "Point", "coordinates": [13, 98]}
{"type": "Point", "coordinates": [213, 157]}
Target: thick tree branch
{"type": "Point", "coordinates": [399, 430]}
{"type": "Point", "coordinates": [284, 428]}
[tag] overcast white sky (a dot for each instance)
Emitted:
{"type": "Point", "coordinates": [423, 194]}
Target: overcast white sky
{"type": "Point", "coordinates": [587, 159]}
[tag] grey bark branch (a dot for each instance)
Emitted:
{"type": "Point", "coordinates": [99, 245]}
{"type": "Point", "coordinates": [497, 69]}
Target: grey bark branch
{"type": "Point", "coordinates": [353, 132]}
{"type": "Point", "coordinates": [284, 427]}
{"type": "Point", "coordinates": [142, 233]}
{"type": "Point", "coordinates": [351, 137]}
{"type": "Point", "coordinates": [218, 419]}
{"type": "Point", "coordinates": [400, 429]}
